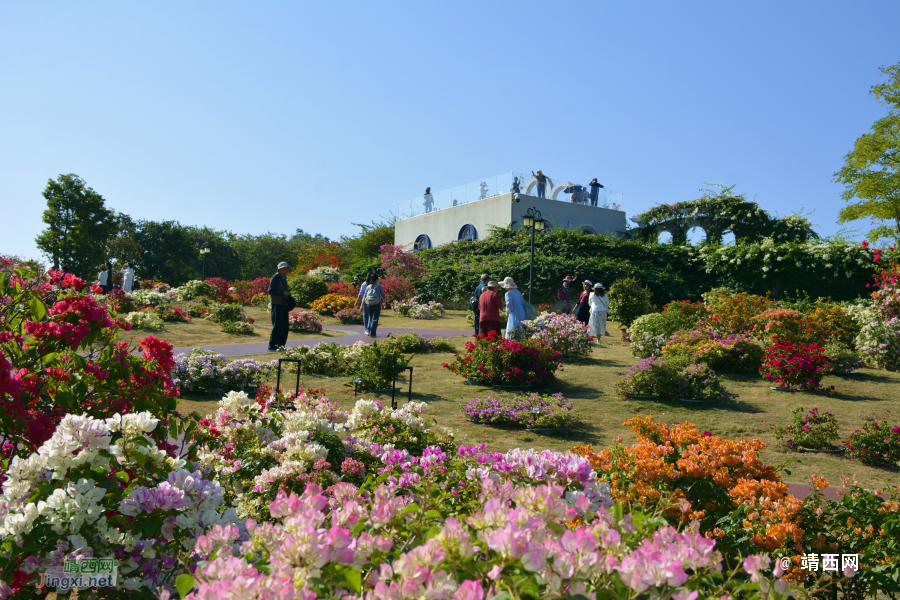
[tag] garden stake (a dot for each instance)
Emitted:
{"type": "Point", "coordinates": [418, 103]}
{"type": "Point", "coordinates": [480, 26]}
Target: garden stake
{"type": "Point", "coordinates": [278, 380]}
{"type": "Point", "coordinates": [394, 386]}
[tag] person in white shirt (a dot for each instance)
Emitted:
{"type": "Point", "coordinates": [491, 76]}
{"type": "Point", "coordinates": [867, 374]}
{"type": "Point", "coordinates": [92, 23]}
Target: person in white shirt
{"type": "Point", "coordinates": [428, 200]}
{"type": "Point", "coordinates": [103, 277]}
{"type": "Point", "coordinates": [599, 303]}
{"type": "Point", "coordinates": [128, 278]}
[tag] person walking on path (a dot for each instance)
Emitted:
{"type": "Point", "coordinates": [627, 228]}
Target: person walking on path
{"type": "Point", "coordinates": [477, 296]}
{"type": "Point", "coordinates": [373, 299]}
{"type": "Point", "coordinates": [541, 183]}
{"type": "Point", "coordinates": [566, 294]}
{"type": "Point", "coordinates": [489, 305]}
{"type": "Point", "coordinates": [127, 278]}
{"type": "Point", "coordinates": [360, 300]}
{"type": "Point", "coordinates": [595, 191]}
{"type": "Point", "coordinates": [103, 277]}
{"type": "Point", "coordinates": [584, 308]}
{"type": "Point", "coordinates": [428, 201]}
{"type": "Point", "coordinates": [599, 302]}
{"type": "Point", "coordinates": [279, 292]}
{"type": "Point", "coordinates": [515, 306]}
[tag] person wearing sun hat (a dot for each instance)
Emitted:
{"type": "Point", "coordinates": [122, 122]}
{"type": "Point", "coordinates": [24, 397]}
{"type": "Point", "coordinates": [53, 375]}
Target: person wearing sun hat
{"type": "Point", "coordinates": [565, 294]}
{"type": "Point", "coordinates": [599, 302]}
{"type": "Point", "coordinates": [280, 295]}
{"type": "Point", "coordinates": [489, 305]}
{"type": "Point", "coordinates": [515, 307]}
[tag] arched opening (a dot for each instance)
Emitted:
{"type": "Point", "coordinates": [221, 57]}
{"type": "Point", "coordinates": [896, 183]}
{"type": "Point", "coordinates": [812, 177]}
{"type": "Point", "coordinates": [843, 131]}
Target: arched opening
{"type": "Point", "coordinates": [423, 242]}
{"type": "Point", "coordinates": [728, 239]}
{"type": "Point", "coordinates": [588, 230]}
{"type": "Point", "coordinates": [696, 235]}
{"type": "Point", "coordinates": [665, 237]}
{"type": "Point", "coordinates": [468, 232]}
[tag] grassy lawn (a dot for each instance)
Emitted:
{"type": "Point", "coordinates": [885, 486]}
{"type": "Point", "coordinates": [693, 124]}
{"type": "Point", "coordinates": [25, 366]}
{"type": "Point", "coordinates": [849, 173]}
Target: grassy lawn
{"type": "Point", "coordinates": [454, 319]}
{"type": "Point", "coordinates": [589, 385]}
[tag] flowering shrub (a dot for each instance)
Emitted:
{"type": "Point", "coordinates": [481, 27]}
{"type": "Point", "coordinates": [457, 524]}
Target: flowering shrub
{"type": "Point", "coordinates": [878, 344]}
{"type": "Point", "coordinates": [146, 321]}
{"type": "Point", "coordinates": [304, 320]}
{"type": "Point", "coordinates": [143, 297]}
{"type": "Point", "coordinates": [260, 300]}
{"type": "Point", "coordinates": [731, 313]}
{"type": "Point", "coordinates": [877, 443]}
{"type": "Point", "coordinates": [323, 358]}
{"type": "Point", "coordinates": [648, 334]}
{"type": "Point", "coordinates": [237, 327]}
{"type": "Point", "coordinates": [887, 292]}
{"type": "Point", "coordinates": [105, 488]}
{"type": "Point", "coordinates": [208, 371]}
{"type": "Point", "coordinates": [699, 382]}
{"type": "Point", "coordinates": [413, 342]}
{"type": "Point", "coordinates": [219, 313]}
{"type": "Point", "coordinates": [220, 290]}
{"type": "Point", "coordinates": [721, 352]}
{"type": "Point", "coordinates": [652, 376]}
{"type": "Point", "coordinates": [775, 324]}
{"type": "Point", "coordinates": [398, 263]}
{"type": "Point", "coordinates": [194, 289]}
{"type": "Point", "coordinates": [534, 411]}
{"type": "Point", "coordinates": [120, 302]}
{"type": "Point", "coordinates": [374, 368]}
{"type": "Point", "coordinates": [809, 430]}
{"type": "Point", "coordinates": [413, 309]}
{"type": "Point", "coordinates": [344, 289]}
{"type": "Point", "coordinates": [684, 314]}
{"type": "Point", "coordinates": [306, 289]}
{"type": "Point", "coordinates": [493, 360]}
{"type": "Point", "coordinates": [837, 322]}
{"type": "Point", "coordinates": [172, 314]}
{"type": "Point", "coordinates": [397, 288]}
{"type": "Point", "coordinates": [629, 300]}
{"type": "Point", "coordinates": [403, 429]}
{"type": "Point", "coordinates": [795, 365]}
{"type": "Point", "coordinates": [562, 332]}
{"type": "Point", "coordinates": [326, 274]}
{"type": "Point", "coordinates": [843, 360]}
{"type": "Point", "coordinates": [331, 303]}
{"type": "Point", "coordinates": [349, 315]}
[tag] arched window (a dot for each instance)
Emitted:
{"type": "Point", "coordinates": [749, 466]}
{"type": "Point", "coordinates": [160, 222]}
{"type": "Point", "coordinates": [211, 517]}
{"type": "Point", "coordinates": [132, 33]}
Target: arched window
{"type": "Point", "coordinates": [468, 232]}
{"type": "Point", "coordinates": [588, 230]}
{"type": "Point", "coordinates": [664, 238]}
{"type": "Point", "coordinates": [696, 235]}
{"type": "Point", "coordinates": [423, 242]}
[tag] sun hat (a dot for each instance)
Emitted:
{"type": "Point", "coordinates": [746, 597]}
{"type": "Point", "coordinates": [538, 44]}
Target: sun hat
{"type": "Point", "coordinates": [598, 285]}
{"type": "Point", "coordinates": [509, 284]}
{"type": "Point", "coordinates": [567, 278]}
{"type": "Point", "coordinates": [588, 283]}
{"type": "Point", "coordinates": [493, 284]}
{"type": "Point", "coordinates": [282, 265]}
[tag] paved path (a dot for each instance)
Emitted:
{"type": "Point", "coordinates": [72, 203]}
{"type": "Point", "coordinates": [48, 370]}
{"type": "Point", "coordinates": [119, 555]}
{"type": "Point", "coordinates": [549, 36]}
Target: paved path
{"type": "Point", "coordinates": [354, 334]}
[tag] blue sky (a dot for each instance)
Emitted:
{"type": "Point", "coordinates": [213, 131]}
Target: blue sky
{"type": "Point", "coordinates": [271, 116]}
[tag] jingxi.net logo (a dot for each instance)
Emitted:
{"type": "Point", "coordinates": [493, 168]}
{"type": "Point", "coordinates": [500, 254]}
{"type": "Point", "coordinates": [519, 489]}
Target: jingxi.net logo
{"type": "Point", "coordinates": [82, 573]}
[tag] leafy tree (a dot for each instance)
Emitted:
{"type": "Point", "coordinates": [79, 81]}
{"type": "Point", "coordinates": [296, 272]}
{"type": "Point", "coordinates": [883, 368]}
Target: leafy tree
{"type": "Point", "coordinates": [259, 255]}
{"type": "Point", "coordinates": [169, 251]}
{"type": "Point", "coordinates": [364, 248]}
{"type": "Point", "coordinates": [78, 225]}
{"type": "Point", "coordinates": [870, 172]}
{"type": "Point", "coordinates": [124, 247]}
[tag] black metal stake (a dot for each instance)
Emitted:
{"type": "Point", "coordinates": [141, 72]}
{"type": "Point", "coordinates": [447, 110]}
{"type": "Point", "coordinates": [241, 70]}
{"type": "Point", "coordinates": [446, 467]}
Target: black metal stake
{"type": "Point", "coordinates": [394, 386]}
{"type": "Point", "coordinates": [278, 379]}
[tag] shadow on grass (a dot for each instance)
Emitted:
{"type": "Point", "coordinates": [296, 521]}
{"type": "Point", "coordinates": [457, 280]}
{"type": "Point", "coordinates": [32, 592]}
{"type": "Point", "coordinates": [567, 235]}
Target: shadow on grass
{"type": "Point", "coordinates": [582, 434]}
{"type": "Point", "coordinates": [737, 406]}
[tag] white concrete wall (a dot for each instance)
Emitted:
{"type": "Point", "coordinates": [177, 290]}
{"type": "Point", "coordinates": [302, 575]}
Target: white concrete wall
{"type": "Point", "coordinates": [443, 226]}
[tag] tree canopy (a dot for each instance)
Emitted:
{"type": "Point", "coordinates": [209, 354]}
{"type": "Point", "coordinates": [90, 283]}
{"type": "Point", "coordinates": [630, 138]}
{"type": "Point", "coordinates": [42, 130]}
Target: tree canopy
{"type": "Point", "coordinates": [870, 173]}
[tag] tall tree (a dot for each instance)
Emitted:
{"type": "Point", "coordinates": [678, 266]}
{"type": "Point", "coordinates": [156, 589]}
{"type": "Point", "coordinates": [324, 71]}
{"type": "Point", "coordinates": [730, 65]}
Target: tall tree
{"type": "Point", "coordinates": [870, 173]}
{"type": "Point", "coordinates": [169, 252]}
{"type": "Point", "coordinates": [79, 226]}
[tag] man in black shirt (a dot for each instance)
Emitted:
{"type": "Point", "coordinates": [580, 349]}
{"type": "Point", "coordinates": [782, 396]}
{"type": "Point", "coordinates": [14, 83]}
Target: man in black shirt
{"type": "Point", "coordinates": [484, 279]}
{"type": "Point", "coordinates": [595, 191]}
{"type": "Point", "coordinates": [279, 292]}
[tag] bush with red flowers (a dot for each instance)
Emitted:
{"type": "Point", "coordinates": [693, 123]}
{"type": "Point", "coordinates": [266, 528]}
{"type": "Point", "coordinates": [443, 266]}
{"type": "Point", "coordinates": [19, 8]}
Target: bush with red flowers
{"type": "Point", "coordinates": [792, 365]}
{"type": "Point", "coordinates": [71, 361]}
{"type": "Point", "coordinates": [492, 360]}
{"type": "Point", "coordinates": [343, 289]}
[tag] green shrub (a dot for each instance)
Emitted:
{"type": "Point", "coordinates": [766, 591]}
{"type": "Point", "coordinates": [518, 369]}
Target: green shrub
{"type": "Point", "coordinates": [648, 334]}
{"type": "Point", "coordinates": [720, 352]}
{"type": "Point", "coordinates": [376, 366]}
{"type": "Point", "coordinates": [306, 289]}
{"type": "Point", "coordinates": [220, 313]}
{"type": "Point", "coordinates": [629, 300]}
{"type": "Point", "coordinates": [241, 327]}
{"type": "Point", "coordinates": [194, 289]}
{"type": "Point", "coordinates": [413, 342]}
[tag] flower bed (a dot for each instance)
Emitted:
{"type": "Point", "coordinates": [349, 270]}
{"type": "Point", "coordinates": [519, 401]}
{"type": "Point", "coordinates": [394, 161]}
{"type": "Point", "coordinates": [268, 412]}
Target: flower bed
{"type": "Point", "coordinates": [413, 342]}
{"type": "Point", "coordinates": [323, 358]}
{"type": "Point", "coordinates": [795, 365]}
{"type": "Point", "coordinates": [374, 367]}
{"type": "Point", "coordinates": [237, 327]}
{"type": "Point", "coordinates": [731, 313]}
{"type": "Point", "coordinates": [535, 411]}
{"type": "Point", "coordinates": [721, 352]}
{"type": "Point", "coordinates": [877, 443]}
{"type": "Point", "coordinates": [304, 320]}
{"type": "Point", "coordinates": [809, 430]}
{"type": "Point", "coordinates": [144, 297]}
{"type": "Point", "coordinates": [699, 382]}
{"type": "Point", "coordinates": [121, 302]}
{"type": "Point", "coordinates": [672, 380]}
{"type": "Point", "coordinates": [146, 321]}
{"type": "Point", "coordinates": [349, 315]}
{"type": "Point", "coordinates": [878, 343]}
{"type": "Point", "coordinates": [344, 289]}
{"type": "Point", "coordinates": [194, 289]}
{"type": "Point", "coordinates": [208, 371]}
{"type": "Point", "coordinates": [775, 324]}
{"type": "Point", "coordinates": [413, 309]}
{"type": "Point", "coordinates": [326, 274]}
{"type": "Point", "coordinates": [563, 333]}
{"type": "Point", "coordinates": [219, 313]}
{"type": "Point", "coordinates": [171, 314]}
{"type": "Point", "coordinates": [492, 360]}
{"type": "Point", "coordinates": [649, 333]}
{"type": "Point", "coordinates": [329, 304]}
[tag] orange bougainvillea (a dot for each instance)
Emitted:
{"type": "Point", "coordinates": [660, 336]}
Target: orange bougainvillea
{"type": "Point", "coordinates": [731, 313]}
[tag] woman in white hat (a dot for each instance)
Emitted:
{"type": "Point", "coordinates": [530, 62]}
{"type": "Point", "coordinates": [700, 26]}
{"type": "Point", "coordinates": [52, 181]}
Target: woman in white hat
{"type": "Point", "coordinates": [515, 306]}
{"type": "Point", "coordinates": [599, 302]}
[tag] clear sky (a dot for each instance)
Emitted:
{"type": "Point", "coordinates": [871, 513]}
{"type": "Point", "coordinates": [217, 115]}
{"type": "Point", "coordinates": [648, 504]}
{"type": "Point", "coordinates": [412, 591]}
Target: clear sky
{"type": "Point", "coordinates": [272, 116]}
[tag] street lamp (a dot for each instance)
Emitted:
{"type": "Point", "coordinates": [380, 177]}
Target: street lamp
{"type": "Point", "coordinates": [533, 221]}
{"type": "Point", "coordinates": [204, 250]}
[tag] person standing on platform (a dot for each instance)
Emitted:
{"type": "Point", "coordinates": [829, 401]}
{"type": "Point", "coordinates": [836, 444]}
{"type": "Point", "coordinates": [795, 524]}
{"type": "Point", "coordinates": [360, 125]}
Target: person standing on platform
{"type": "Point", "coordinates": [515, 307]}
{"type": "Point", "coordinates": [476, 297]}
{"type": "Point", "coordinates": [279, 293]}
{"type": "Point", "coordinates": [515, 186]}
{"type": "Point", "coordinates": [489, 306]}
{"type": "Point", "coordinates": [595, 191]}
{"type": "Point", "coordinates": [541, 183]}
{"type": "Point", "coordinates": [428, 200]}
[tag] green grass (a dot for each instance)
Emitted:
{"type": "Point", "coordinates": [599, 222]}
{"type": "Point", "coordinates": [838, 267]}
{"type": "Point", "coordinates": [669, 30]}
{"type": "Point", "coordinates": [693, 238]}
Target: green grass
{"type": "Point", "coordinates": [589, 385]}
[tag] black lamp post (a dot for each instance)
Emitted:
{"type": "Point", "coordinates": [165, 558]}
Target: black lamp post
{"type": "Point", "coordinates": [204, 250]}
{"type": "Point", "coordinates": [533, 220]}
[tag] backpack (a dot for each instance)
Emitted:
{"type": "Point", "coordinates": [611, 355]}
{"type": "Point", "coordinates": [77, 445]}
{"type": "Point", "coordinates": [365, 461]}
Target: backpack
{"type": "Point", "coordinates": [135, 286]}
{"type": "Point", "coordinates": [530, 311]}
{"type": "Point", "coordinates": [473, 303]}
{"type": "Point", "coordinates": [372, 296]}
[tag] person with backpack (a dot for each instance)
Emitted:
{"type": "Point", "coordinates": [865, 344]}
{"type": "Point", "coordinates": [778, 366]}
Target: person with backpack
{"type": "Point", "coordinates": [473, 301]}
{"type": "Point", "coordinates": [373, 298]}
{"type": "Point", "coordinates": [515, 307]}
{"type": "Point", "coordinates": [280, 295]}
{"type": "Point", "coordinates": [361, 300]}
